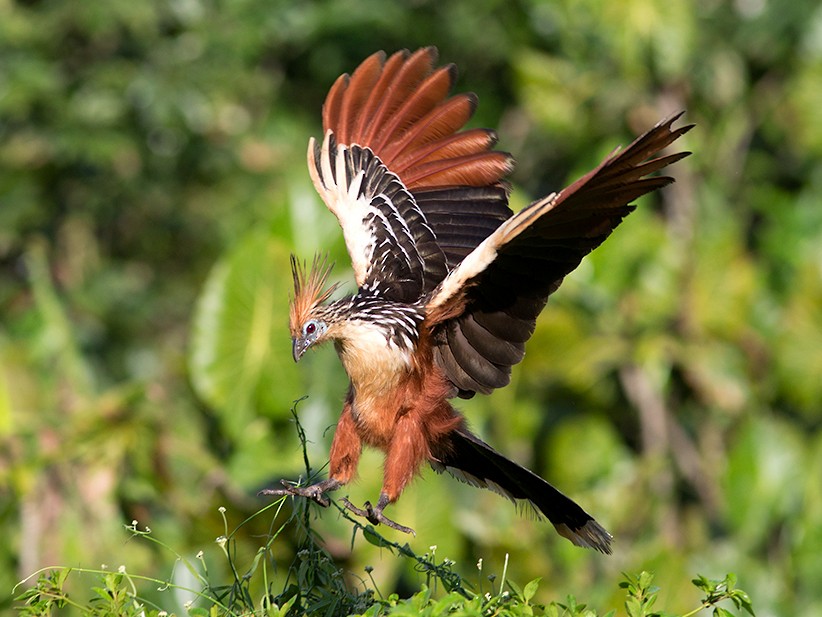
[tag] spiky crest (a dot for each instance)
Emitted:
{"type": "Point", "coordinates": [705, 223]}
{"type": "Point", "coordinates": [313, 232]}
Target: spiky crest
{"type": "Point", "coordinates": [310, 290]}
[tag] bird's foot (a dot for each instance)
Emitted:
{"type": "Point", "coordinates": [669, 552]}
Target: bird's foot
{"type": "Point", "coordinates": [375, 516]}
{"type": "Point", "coordinates": [314, 492]}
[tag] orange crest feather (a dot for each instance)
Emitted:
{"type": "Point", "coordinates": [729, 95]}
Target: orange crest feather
{"type": "Point", "coordinates": [310, 290]}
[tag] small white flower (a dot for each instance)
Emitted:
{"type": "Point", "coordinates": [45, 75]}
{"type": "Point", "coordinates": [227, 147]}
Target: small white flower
{"type": "Point", "coordinates": [479, 564]}
{"type": "Point", "coordinates": [121, 569]}
{"type": "Point", "coordinates": [221, 510]}
{"type": "Point", "coordinates": [200, 555]}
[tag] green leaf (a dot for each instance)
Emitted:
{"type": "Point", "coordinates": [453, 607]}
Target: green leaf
{"type": "Point", "coordinates": [634, 607]}
{"type": "Point", "coordinates": [530, 590]}
{"type": "Point", "coordinates": [742, 600]}
{"type": "Point", "coordinates": [283, 610]}
{"type": "Point", "coordinates": [515, 588]}
{"type": "Point", "coordinates": [371, 535]}
{"type": "Point", "coordinates": [702, 583]}
{"type": "Point", "coordinates": [645, 580]}
{"type": "Point", "coordinates": [240, 344]}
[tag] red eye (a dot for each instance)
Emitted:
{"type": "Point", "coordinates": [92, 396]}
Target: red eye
{"type": "Point", "coordinates": [310, 327]}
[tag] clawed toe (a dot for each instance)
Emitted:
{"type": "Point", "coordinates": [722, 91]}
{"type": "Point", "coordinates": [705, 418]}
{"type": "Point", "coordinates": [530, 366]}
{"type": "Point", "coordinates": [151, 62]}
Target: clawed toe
{"type": "Point", "coordinates": [314, 492]}
{"type": "Point", "coordinates": [375, 515]}
{"type": "Point", "coordinates": [365, 513]}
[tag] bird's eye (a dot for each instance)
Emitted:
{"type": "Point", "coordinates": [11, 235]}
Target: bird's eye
{"type": "Point", "coordinates": [310, 327]}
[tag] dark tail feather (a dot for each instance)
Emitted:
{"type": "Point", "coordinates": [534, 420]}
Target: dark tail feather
{"type": "Point", "coordinates": [471, 460]}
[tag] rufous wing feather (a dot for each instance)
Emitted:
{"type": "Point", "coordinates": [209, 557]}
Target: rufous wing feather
{"type": "Point", "coordinates": [400, 109]}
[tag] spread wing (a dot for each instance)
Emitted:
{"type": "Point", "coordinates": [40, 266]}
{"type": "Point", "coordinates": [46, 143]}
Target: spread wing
{"type": "Point", "coordinates": [424, 211]}
{"type": "Point", "coordinates": [413, 194]}
{"type": "Point", "coordinates": [485, 310]}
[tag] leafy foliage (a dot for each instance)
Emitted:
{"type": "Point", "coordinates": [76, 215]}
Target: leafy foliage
{"type": "Point", "coordinates": [317, 589]}
{"type": "Point", "coordinates": [315, 585]}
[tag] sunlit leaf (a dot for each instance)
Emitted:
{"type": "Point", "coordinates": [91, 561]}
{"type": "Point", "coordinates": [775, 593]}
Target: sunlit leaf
{"type": "Point", "coordinates": [240, 347]}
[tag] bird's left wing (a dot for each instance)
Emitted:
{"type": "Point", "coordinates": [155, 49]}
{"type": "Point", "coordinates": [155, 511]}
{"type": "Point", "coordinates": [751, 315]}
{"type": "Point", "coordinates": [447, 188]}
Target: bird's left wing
{"type": "Point", "coordinates": [412, 193]}
{"type": "Point", "coordinates": [485, 310]}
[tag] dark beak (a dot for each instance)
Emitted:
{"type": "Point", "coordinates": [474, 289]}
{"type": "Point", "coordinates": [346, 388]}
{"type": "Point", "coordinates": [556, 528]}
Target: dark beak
{"type": "Point", "coordinates": [298, 347]}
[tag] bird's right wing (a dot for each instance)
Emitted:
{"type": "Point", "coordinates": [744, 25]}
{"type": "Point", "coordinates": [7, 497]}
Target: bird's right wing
{"type": "Point", "coordinates": [485, 310]}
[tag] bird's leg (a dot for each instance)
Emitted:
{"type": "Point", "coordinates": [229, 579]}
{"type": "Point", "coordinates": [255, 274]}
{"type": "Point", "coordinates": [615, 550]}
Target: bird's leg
{"type": "Point", "coordinates": [404, 455]}
{"type": "Point", "coordinates": [374, 514]}
{"type": "Point", "coordinates": [345, 454]}
{"type": "Point", "coordinates": [315, 492]}
{"type": "Point", "coordinates": [345, 447]}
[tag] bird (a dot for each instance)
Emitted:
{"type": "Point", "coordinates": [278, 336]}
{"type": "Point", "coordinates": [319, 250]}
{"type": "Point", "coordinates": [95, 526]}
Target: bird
{"type": "Point", "coordinates": [450, 280]}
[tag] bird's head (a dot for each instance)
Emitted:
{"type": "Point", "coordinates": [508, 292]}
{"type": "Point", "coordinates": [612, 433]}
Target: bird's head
{"type": "Point", "coordinates": [309, 318]}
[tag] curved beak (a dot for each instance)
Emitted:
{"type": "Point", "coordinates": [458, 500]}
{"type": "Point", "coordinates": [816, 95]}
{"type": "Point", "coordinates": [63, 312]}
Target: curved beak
{"type": "Point", "coordinates": [298, 347]}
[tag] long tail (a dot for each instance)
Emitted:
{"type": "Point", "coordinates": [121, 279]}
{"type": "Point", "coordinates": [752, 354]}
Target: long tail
{"type": "Point", "coordinates": [471, 460]}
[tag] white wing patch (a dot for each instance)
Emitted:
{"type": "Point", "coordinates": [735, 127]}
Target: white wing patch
{"type": "Point", "coordinates": [486, 251]}
{"type": "Point", "coordinates": [371, 205]}
{"type": "Point", "coordinates": [346, 204]}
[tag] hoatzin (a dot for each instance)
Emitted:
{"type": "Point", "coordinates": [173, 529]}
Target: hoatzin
{"type": "Point", "coordinates": [450, 281]}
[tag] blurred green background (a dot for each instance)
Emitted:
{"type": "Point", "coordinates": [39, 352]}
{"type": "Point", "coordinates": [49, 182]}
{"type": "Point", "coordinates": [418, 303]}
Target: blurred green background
{"type": "Point", "coordinates": [153, 184]}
